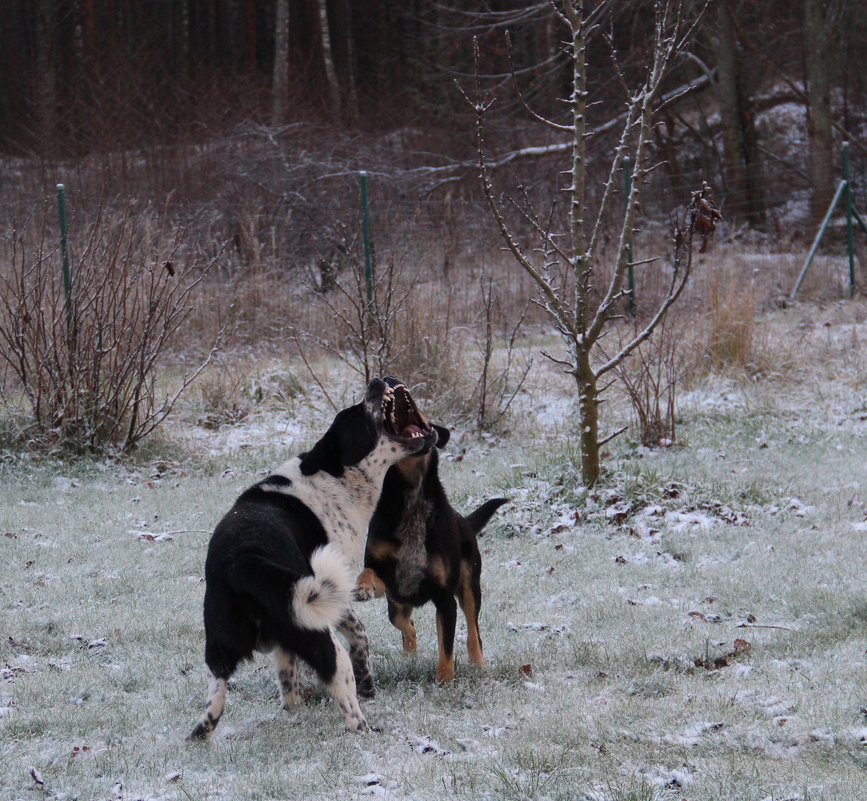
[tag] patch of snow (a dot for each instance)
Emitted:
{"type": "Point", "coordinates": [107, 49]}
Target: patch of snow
{"type": "Point", "coordinates": [685, 521]}
{"type": "Point", "coordinates": [692, 734]}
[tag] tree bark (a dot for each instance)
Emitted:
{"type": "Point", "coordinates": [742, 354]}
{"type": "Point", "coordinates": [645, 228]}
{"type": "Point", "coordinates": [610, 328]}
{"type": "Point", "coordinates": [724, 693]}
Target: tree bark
{"type": "Point", "coordinates": [743, 184]}
{"type": "Point", "coordinates": [328, 60]}
{"type": "Point", "coordinates": [250, 35]}
{"type": "Point", "coordinates": [45, 77]}
{"type": "Point", "coordinates": [588, 407]}
{"type": "Point", "coordinates": [280, 84]}
{"type": "Point", "coordinates": [818, 28]}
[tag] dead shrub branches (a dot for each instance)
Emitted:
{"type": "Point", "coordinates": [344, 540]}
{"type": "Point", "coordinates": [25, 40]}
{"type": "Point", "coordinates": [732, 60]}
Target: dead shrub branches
{"type": "Point", "coordinates": [87, 366]}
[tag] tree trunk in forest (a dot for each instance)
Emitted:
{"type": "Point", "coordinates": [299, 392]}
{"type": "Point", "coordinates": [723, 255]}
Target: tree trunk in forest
{"type": "Point", "coordinates": [351, 67]}
{"type": "Point", "coordinates": [328, 59]}
{"type": "Point", "coordinates": [743, 184]}
{"type": "Point", "coordinates": [250, 35]}
{"type": "Point", "coordinates": [818, 27]}
{"type": "Point", "coordinates": [280, 83]}
{"type": "Point", "coordinates": [45, 77]}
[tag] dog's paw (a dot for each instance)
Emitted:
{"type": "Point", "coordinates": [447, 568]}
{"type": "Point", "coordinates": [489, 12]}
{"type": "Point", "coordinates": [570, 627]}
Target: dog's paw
{"type": "Point", "coordinates": [365, 687]}
{"type": "Point", "coordinates": [365, 586]}
{"type": "Point", "coordinates": [365, 593]}
{"type": "Point", "coordinates": [358, 725]}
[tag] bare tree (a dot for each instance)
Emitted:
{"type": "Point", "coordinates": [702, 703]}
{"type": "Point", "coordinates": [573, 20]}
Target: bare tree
{"type": "Point", "coordinates": [564, 266]}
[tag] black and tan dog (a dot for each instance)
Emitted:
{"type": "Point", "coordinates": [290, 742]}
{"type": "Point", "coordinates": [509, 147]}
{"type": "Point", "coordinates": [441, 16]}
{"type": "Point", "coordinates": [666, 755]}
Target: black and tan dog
{"type": "Point", "coordinates": [420, 549]}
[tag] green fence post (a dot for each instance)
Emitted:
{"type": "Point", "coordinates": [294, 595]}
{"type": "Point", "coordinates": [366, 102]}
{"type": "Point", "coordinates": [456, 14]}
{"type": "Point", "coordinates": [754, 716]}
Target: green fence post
{"type": "Point", "coordinates": [850, 238]}
{"type": "Point", "coordinates": [840, 189]}
{"type": "Point", "coordinates": [627, 188]}
{"type": "Point", "coordinates": [365, 231]}
{"type": "Point", "coordinates": [64, 249]}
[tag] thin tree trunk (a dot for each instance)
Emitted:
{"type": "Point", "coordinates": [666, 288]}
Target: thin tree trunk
{"type": "Point", "coordinates": [45, 76]}
{"type": "Point", "coordinates": [280, 85]}
{"type": "Point", "coordinates": [588, 406]}
{"type": "Point", "coordinates": [328, 59]}
{"type": "Point", "coordinates": [250, 35]}
{"type": "Point", "coordinates": [817, 35]}
{"type": "Point", "coordinates": [743, 185]}
{"type": "Point", "coordinates": [351, 66]}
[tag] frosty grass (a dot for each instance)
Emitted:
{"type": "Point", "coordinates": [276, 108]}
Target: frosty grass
{"type": "Point", "coordinates": [694, 629]}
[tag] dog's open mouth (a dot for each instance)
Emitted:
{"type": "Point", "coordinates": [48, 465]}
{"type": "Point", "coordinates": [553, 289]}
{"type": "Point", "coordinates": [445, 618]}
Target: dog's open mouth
{"type": "Point", "coordinates": [400, 416]}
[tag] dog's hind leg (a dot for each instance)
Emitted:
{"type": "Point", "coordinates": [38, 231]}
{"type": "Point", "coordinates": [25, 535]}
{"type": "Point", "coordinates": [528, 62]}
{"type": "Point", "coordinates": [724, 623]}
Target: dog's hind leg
{"type": "Point", "coordinates": [447, 614]}
{"type": "Point", "coordinates": [327, 656]}
{"type": "Point", "coordinates": [400, 616]}
{"type": "Point", "coordinates": [359, 652]}
{"type": "Point", "coordinates": [342, 689]}
{"type": "Point", "coordinates": [470, 598]}
{"type": "Point", "coordinates": [213, 709]}
{"type": "Point", "coordinates": [288, 677]}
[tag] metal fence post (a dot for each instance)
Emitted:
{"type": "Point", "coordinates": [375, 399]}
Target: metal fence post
{"type": "Point", "coordinates": [627, 188]}
{"type": "Point", "coordinates": [64, 249]}
{"type": "Point", "coordinates": [365, 231]}
{"type": "Point", "coordinates": [850, 238]}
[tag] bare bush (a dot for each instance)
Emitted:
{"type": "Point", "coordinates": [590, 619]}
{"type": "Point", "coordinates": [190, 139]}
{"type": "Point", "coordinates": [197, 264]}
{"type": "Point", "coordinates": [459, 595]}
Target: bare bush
{"type": "Point", "coordinates": [496, 389]}
{"type": "Point", "coordinates": [87, 364]}
{"type": "Point", "coordinates": [650, 378]}
{"type": "Point", "coordinates": [401, 331]}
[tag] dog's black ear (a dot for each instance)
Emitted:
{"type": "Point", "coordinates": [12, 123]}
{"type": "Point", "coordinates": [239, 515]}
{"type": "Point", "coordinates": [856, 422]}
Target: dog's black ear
{"type": "Point", "coordinates": [324, 456]}
{"type": "Point", "coordinates": [443, 435]}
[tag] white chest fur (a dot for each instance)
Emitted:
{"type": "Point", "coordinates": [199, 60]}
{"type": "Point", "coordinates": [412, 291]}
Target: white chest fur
{"type": "Point", "coordinates": [343, 505]}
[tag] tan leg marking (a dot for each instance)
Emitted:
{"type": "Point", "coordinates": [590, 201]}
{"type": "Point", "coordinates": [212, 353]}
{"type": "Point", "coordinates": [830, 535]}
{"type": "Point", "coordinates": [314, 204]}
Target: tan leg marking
{"type": "Point", "coordinates": [437, 569]}
{"type": "Point", "coordinates": [402, 621]}
{"type": "Point", "coordinates": [468, 605]}
{"type": "Point", "coordinates": [381, 550]}
{"type": "Point", "coordinates": [446, 664]}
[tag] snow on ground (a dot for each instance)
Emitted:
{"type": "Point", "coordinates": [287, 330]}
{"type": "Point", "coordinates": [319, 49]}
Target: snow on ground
{"type": "Point", "coordinates": [693, 628]}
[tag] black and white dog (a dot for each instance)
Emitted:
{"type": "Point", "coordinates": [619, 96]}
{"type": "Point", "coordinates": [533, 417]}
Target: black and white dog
{"type": "Point", "coordinates": [278, 571]}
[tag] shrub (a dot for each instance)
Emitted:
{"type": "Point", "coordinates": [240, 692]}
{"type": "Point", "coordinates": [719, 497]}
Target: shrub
{"type": "Point", "coordinates": [87, 365]}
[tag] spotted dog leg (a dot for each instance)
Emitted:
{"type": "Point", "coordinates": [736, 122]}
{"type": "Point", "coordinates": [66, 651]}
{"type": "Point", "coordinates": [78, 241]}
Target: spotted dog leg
{"type": "Point", "coordinates": [288, 677]}
{"type": "Point", "coordinates": [400, 616]}
{"type": "Point", "coordinates": [213, 709]}
{"type": "Point", "coordinates": [359, 652]}
{"type": "Point", "coordinates": [342, 689]}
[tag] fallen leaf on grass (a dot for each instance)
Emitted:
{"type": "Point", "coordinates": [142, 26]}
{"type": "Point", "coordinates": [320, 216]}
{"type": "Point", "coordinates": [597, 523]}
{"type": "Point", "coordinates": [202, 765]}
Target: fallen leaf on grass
{"type": "Point", "coordinates": [724, 660]}
{"type": "Point", "coordinates": [37, 777]}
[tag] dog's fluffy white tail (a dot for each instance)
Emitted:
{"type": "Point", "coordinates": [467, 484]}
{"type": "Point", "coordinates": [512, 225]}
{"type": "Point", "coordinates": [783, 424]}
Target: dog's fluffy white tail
{"type": "Point", "coordinates": [321, 600]}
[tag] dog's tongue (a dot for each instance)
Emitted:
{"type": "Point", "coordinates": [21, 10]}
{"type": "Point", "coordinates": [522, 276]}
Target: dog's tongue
{"type": "Point", "coordinates": [411, 431]}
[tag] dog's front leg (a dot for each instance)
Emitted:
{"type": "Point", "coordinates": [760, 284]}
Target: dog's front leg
{"type": "Point", "coordinates": [359, 652]}
{"type": "Point", "coordinates": [400, 616]}
{"type": "Point", "coordinates": [368, 585]}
